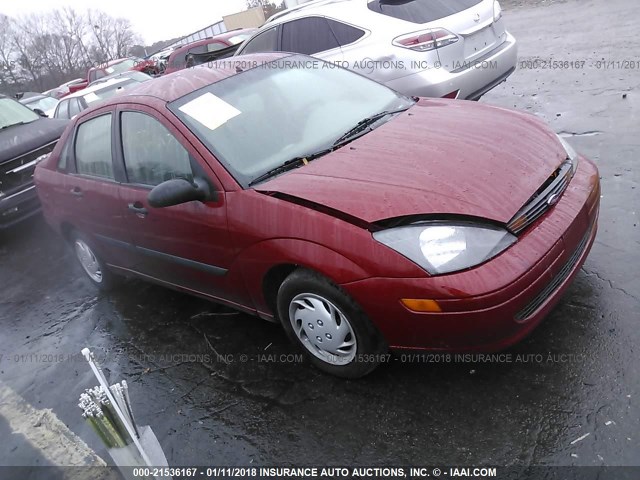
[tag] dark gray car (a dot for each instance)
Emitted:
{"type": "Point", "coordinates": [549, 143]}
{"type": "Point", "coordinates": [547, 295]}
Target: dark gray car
{"type": "Point", "coordinates": [25, 139]}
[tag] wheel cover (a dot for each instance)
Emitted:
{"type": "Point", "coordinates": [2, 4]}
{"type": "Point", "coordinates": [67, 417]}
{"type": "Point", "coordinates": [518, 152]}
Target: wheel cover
{"type": "Point", "coordinates": [323, 329]}
{"type": "Point", "coordinates": [88, 260]}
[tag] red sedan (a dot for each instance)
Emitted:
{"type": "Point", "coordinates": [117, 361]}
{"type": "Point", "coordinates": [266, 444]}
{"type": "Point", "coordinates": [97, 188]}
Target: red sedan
{"type": "Point", "coordinates": [361, 219]}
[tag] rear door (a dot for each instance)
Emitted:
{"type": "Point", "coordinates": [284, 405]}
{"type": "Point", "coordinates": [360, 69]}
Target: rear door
{"type": "Point", "coordinates": [91, 189]}
{"type": "Point", "coordinates": [187, 245]}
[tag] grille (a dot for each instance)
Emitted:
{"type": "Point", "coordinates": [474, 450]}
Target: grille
{"type": "Point", "coordinates": [562, 275]}
{"type": "Point", "coordinates": [17, 174]}
{"type": "Point", "coordinates": [546, 196]}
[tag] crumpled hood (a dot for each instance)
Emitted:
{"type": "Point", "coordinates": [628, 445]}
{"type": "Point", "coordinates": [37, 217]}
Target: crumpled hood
{"type": "Point", "coordinates": [440, 157]}
{"type": "Point", "coordinates": [20, 139]}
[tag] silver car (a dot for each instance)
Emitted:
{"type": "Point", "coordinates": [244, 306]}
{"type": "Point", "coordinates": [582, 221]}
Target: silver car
{"type": "Point", "coordinates": [452, 48]}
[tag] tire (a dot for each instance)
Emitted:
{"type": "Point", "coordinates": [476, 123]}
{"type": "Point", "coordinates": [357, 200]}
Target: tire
{"type": "Point", "coordinates": [92, 265]}
{"type": "Point", "coordinates": [328, 325]}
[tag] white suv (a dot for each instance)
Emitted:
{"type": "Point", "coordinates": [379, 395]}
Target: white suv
{"type": "Point", "coordinates": [452, 48]}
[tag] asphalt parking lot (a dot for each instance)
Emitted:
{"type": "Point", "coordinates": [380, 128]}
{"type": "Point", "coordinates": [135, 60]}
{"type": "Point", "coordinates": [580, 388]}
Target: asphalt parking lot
{"type": "Point", "coordinates": [224, 388]}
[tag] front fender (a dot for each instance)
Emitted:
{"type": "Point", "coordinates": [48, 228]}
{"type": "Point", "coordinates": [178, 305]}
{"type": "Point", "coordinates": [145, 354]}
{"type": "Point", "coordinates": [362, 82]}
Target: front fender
{"type": "Point", "coordinates": [256, 261]}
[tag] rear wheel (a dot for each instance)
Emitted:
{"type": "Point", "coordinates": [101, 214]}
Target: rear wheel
{"type": "Point", "coordinates": [332, 329]}
{"type": "Point", "coordinates": [91, 263]}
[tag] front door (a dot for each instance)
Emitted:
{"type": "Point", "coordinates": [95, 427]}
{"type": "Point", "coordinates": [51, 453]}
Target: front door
{"type": "Point", "coordinates": [186, 245]}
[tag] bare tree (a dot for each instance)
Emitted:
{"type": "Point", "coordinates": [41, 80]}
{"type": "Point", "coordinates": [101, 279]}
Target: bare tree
{"type": "Point", "coordinates": [8, 63]}
{"type": "Point", "coordinates": [42, 50]}
{"type": "Point", "coordinates": [269, 7]}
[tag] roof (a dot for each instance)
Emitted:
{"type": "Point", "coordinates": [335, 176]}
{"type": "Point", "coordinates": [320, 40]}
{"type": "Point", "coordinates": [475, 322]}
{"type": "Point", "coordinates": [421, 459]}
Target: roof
{"type": "Point", "coordinates": [178, 84]}
{"type": "Point", "coordinates": [98, 86]}
{"type": "Point", "coordinates": [304, 8]}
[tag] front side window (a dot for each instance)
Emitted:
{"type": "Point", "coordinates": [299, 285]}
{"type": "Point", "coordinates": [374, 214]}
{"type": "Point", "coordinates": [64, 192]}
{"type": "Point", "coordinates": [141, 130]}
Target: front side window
{"type": "Point", "coordinates": [291, 107]}
{"type": "Point", "coordinates": [152, 155]}
{"type": "Point", "coordinates": [308, 35]}
{"type": "Point", "coordinates": [267, 41]}
{"type": "Point", "coordinates": [93, 148]}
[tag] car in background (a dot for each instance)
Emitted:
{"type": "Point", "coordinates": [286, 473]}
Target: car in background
{"type": "Point", "coordinates": [26, 138]}
{"type": "Point", "coordinates": [179, 58]}
{"type": "Point", "coordinates": [132, 74]}
{"type": "Point", "coordinates": [162, 58]}
{"type": "Point", "coordinates": [360, 218]}
{"type": "Point", "coordinates": [116, 66]}
{"type": "Point", "coordinates": [454, 49]}
{"type": "Point", "coordinates": [63, 89]}
{"type": "Point", "coordinates": [74, 103]}
{"type": "Point", "coordinates": [41, 104]}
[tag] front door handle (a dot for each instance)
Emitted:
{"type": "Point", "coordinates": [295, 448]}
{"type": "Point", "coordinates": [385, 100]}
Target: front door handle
{"type": "Point", "coordinates": [139, 209]}
{"type": "Point", "coordinates": [76, 192]}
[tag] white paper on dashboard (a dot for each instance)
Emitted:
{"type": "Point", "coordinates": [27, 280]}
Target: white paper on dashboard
{"type": "Point", "coordinates": [210, 111]}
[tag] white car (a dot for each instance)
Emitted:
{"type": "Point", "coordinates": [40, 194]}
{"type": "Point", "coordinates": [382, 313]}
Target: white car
{"type": "Point", "coordinates": [452, 48]}
{"type": "Point", "coordinates": [41, 103]}
{"type": "Point", "coordinates": [73, 104]}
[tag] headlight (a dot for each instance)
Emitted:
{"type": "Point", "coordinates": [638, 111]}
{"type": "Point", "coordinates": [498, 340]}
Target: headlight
{"type": "Point", "coordinates": [571, 154]}
{"type": "Point", "coordinates": [440, 247]}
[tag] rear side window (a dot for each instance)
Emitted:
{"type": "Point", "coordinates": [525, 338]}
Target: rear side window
{"type": "Point", "coordinates": [93, 148]}
{"type": "Point", "coordinates": [63, 109]}
{"type": "Point", "coordinates": [345, 34]}
{"type": "Point", "coordinates": [74, 107]}
{"type": "Point", "coordinates": [267, 41]}
{"type": "Point", "coordinates": [63, 161]}
{"type": "Point", "coordinates": [308, 35]}
{"type": "Point", "coordinates": [420, 11]}
{"type": "Point", "coordinates": [152, 155]}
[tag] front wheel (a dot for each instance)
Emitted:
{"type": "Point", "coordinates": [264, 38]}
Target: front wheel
{"type": "Point", "coordinates": [334, 332]}
{"type": "Point", "coordinates": [93, 266]}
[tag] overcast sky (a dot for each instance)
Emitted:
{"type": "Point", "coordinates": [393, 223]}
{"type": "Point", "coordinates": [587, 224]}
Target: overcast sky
{"type": "Point", "coordinates": [154, 21]}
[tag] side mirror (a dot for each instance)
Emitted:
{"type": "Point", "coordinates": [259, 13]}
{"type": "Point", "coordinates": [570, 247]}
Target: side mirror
{"type": "Point", "coordinates": [178, 191]}
{"type": "Point", "coordinates": [40, 112]}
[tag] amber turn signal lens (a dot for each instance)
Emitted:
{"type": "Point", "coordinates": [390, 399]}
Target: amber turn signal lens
{"type": "Point", "coordinates": [421, 305]}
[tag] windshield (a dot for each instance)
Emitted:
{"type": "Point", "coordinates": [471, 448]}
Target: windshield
{"type": "Point", "coordinates": [295, 106]}
{"type": "Point", "coordinates": [44, 103]}
{"type": "Point", "coordinates": [13, 113]}
{"type": "Point", "coordinates": [122, 66]}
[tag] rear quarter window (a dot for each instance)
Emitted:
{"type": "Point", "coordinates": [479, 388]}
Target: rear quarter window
{"type": "Point", "coordinates": [420, 11]}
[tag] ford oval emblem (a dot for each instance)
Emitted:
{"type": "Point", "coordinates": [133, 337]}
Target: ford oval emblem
{"type": "Point", "coordinates": [476, 18]}
{"type": "Point", "coordinates": [553, 199]}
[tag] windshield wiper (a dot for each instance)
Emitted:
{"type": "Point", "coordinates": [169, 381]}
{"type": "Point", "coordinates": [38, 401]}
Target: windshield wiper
{"type": "Point", "coordinates": [290, 165]}
{"type": "Point", "coordinates": [361, 127]}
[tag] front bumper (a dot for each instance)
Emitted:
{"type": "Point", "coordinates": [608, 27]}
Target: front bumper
{"type": "Point", "coordinates": [18, 207]}
{"type": "Point", "coordinates": [495, 305]}
{"type": "Point", "coordinates": [472, 80]}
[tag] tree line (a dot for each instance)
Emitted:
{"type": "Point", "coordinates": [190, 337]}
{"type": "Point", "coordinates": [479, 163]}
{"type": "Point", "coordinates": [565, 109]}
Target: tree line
{"type": "Point", "coordinates": [43, 50]}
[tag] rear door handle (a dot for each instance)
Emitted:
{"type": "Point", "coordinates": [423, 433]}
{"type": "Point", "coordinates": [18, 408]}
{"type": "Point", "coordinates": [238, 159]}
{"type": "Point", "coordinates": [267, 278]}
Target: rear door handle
{"type": "Point", "coordinates": [139, 209]}
{"type": "Point", "coordinates": [76, 192]}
